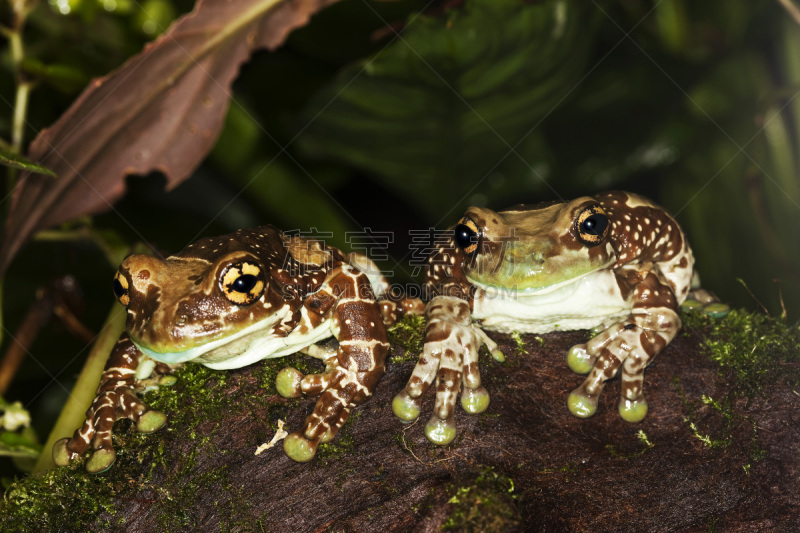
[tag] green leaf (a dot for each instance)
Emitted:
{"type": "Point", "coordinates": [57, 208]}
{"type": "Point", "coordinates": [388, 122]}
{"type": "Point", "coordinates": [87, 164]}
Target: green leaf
{"type": "Point", "coordinates": [10, 159]}
{"type": "Point", "coordinates": [454, 99]}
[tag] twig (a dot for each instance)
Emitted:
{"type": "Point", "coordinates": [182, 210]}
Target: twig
{"type": "Point", "coordinates": [58, 298]}
{"type": "Point", "coordinates": [409, 450]}
{"type": "Point", "coordinates": [279, 435]}
{"type": "Point", "coordinates": [38, 315]}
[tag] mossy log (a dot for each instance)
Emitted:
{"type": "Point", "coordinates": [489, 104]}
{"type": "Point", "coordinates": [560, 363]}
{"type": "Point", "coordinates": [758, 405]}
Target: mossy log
{"type": "Point", "coordinates": [708, 457]}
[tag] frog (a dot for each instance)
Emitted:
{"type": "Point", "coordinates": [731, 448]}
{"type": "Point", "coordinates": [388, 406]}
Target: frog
{"type": "Point", "coordinates": [227, 302]}
{"type": "Point", "coordinates": [614, 263]}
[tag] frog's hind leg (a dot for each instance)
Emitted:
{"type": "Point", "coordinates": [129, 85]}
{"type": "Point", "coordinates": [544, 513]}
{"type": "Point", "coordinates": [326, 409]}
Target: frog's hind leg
{"type": "Point", "coordinates": [630, 344]}
{"type": "Point", "coordinates": [350, 376]}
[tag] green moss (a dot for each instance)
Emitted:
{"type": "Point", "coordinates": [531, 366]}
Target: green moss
{"type": "Point", "coordinates": [754, 349]}
{"type": "Point", "coordinates": [487, 504]}
{"type": "Point", "coordinates": [647, 445]}
{"type": "Point", "coordinates": [57, 501]}
{"type": "Point", "coordinates": [568, 470]}
{"type": "Point", "coordinates": [410, 334]}
{"type": "Point", "coordinates": [334, 450]}
{"type": "Point", "coordinates": [694, 321]}
{"type": "Point", "coordinates": [198, 396]}
{"type": "Point", "coordinates": [730, 419]}
{"type": "Point", "coordinates": [518, 342]}
{"type": "Point", "coordinates": [753, 352]}
{"type": "Point", "coordinates": [725, 437]}
{"type": "Point", "coordinates": [757, 453]}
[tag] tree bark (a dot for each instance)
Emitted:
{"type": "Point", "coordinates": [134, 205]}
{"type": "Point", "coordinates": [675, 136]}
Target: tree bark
{"type": "Point", "coordinates": [525, 464]}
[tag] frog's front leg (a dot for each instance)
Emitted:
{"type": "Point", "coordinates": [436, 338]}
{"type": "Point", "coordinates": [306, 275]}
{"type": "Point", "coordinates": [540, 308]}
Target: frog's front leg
{"type": "Point", "coordinates": [450, 356]}
{"type": "Point", "coordinates": [631, 344]}
{"type": "Point", "coordinates": [116, 398]}
{"type": "Point", "coordinates": [350, 376]}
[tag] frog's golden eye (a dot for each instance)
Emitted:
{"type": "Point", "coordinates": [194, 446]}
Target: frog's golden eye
{"type": "Point", "coordinates": [242, 283]}
{"type": "Point", "coordinates": [120, 288]}
{"type": "Point", "coordinates": [592, 225]}
{"type": "Point", "coordinates": [467, 235]}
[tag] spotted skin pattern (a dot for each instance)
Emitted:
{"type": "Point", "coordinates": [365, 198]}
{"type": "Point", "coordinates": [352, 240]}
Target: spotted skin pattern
{"type": "Point", "coordinates": [230, 301]}
{"type": "Point", "coordinates": [535, 269]}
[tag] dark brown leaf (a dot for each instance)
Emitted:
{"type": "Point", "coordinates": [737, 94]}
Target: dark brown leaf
{"type": "Point", "coordinates": [162, 110]}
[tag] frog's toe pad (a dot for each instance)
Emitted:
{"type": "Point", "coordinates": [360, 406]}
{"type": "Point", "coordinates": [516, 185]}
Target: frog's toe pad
{"type": "Point", "coordinates": [61, 454]}
{"type": "Point", "coordinates": [151, 421]}
{"type": "Point", "coordinates": [691, 305]}
{"type": "Point", "coordinates": [474, 401]}
{"type": "Point", "coordinates": [101, 460]}
{"type": "Point", "coordinates": [167, 381]}
{"type": "Point", "coordinates": [288, 382]}
{"type": "Point", "coordinates": [579, 360]}
{"type": "Point", "coordinates": [299, 448]}
{"type": "Point", "coordinates": [406, 408]}
{"type": "Point", "coordinates": [498, 355]}
{"type": "Point", "coordinates": [714, 309]}
{"type": "Point", "coordinates": [440, 431]}
{"type": "Point", "coordinates": [633, 410]}
{"type": "Point", "coordinates": [581, 405]}
{"type": "Point", "coordinates": [717, 310]}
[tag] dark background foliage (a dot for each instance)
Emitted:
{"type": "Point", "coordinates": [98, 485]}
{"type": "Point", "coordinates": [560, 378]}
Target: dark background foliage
{"type": "Point", "coordinates": [396, 116]}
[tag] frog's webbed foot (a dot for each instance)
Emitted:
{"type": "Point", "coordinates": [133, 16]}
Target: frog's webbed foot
{"type": "Point", "coordinates": [116, 398]}
{"type": "Point", "coordinates": [630, 344]}
{"type": "Point", "coordinates": [450, 357]}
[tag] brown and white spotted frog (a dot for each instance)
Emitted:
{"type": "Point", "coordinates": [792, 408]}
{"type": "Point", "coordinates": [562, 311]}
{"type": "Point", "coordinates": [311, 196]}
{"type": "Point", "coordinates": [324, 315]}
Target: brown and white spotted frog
{"type": "Point", "coordinates": [614, 262]}
{"type": "Point", "coordinates": [228, 302]}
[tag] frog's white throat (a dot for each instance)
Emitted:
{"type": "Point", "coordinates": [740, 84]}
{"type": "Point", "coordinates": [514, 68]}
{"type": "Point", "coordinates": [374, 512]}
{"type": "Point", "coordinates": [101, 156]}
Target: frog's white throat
{"type": "Point", "coordinates": [579, 303]}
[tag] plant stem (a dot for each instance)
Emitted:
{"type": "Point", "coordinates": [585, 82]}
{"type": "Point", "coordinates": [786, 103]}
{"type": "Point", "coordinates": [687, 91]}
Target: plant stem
{"type": "Point", "coordinates": [21, 103]}
{"type": "Point", "coordinates": [20, 114]}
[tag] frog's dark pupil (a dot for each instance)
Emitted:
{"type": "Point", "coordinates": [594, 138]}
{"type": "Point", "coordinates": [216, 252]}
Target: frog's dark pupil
{"type": "Point", "coordinates": [465, 236]}
{"type": "Point", "coordinates": [244, 283]}
{"type": "Point", "coordinates": [119, 290]}
{"type": "Point", "coordinates": [595, 224]}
